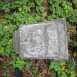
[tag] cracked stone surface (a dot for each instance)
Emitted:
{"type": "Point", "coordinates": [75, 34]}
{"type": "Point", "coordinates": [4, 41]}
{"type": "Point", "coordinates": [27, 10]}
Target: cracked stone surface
{"type": "Point", "coordinates": [42, 40]}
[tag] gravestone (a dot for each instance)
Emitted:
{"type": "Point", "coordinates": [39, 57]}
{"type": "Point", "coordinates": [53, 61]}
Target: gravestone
{"type": "Point", "coordinates": [42, 40]}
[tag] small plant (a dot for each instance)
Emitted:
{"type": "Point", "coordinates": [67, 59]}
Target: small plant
{"type": "Point", "coordinates": [35, 70]}
{"type": "Point", "coordinates": [62, 68]}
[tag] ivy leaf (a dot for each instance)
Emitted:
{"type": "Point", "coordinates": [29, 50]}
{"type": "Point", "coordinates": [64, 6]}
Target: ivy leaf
{"type": "Point", "coordinates": [73, 74]}
{"type": "Point", "coordinates": [35, 70]}
{"type": "Point", "coordinates": [63, 74]}
{"type": "Point", "coordinates": [53, 73]}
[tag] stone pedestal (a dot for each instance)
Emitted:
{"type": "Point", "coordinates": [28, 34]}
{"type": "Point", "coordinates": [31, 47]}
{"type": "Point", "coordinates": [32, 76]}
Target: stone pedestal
{"type": "Point", "coordinates": [42, 40]}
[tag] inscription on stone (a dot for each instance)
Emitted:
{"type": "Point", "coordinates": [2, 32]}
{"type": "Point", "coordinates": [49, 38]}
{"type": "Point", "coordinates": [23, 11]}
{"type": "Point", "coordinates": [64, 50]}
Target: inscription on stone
{"type": "Point", "coordinates": [42, 40]}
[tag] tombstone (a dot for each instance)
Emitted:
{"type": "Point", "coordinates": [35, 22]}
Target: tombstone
{"type": "Point", "coordinates": [42, 40]}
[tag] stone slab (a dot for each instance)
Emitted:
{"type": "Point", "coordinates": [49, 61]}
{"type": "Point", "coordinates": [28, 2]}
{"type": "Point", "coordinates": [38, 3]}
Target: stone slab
{"type": "Point", "coordinates": [42, 40]}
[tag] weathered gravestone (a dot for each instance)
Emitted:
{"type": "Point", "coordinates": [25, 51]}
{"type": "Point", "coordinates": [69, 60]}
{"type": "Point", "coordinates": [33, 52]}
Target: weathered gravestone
{"type": "Point", "coordinates": [42, 40]}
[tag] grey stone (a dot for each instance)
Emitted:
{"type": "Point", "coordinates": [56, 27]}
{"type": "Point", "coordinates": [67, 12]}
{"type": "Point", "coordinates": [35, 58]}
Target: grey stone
{"type": "Point", "coordinates": [42, 40]}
